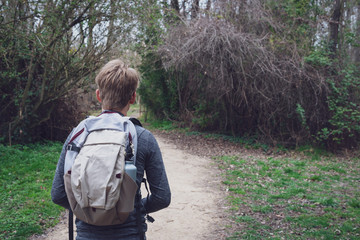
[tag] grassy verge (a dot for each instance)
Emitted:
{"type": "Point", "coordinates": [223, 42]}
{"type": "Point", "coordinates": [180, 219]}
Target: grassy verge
{"type": "Point", "coordinates": [307, 197]}
{"type": "Point", "coordinates": [159, 125]}
{"type": "Point", "coordinates": [303, 194]}
{"type": "Point", "coordinates": [26, 175]}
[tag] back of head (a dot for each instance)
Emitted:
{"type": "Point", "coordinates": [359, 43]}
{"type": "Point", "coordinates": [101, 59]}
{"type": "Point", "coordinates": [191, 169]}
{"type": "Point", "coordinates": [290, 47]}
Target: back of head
{"type": "Point", "coordinates": [116, 83]}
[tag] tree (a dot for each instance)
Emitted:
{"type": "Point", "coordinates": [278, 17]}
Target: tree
{"type": "Point", "coordinates": [356, 52]}
{"type": "Point", "coordinates": [334, 26]}
{"type": "Point", "coordinates": [265, 67]}
{"type": "Point", "coordinates": [48, 49]}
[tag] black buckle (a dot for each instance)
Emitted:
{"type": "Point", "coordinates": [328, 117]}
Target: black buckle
{"type": "Point", "coordinates": [72, 147]}
{"type": "Point", "coordinates": [69, 147]}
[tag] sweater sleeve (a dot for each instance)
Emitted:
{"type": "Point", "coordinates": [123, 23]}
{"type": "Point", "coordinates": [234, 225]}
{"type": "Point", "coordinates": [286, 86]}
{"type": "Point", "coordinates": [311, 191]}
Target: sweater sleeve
{"type": "Point", "coordinates": [150, 153]}
{"type": "Point", "coordinates": [58, 194]}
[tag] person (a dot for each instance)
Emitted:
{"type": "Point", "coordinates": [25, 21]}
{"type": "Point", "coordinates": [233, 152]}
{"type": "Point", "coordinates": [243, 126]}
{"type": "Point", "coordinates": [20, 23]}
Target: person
{"type": "Point", "coordinates": [116, 91]}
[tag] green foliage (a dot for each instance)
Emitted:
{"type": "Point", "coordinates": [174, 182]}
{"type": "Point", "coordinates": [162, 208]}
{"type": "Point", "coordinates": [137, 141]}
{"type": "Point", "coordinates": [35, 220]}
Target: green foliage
{"type": "Point", "coordinates": [206, 115]}
{"type": "Point", "coordinates": [157, 93]}
{"type": "Point", "coordinates": [26, 176]}
{"type": "Point", "coordinates": [301, 113]}
{"type": "Point", "coordinates": [300, 17]}
{"type": "Point", "coordinates": [308, 199]}
{"type": "Point", "coordinates": [318, 58]}
{"type": "Point", "coordinates": [297, 8]}
{"type": "Point", "coordinates": [344, 107]}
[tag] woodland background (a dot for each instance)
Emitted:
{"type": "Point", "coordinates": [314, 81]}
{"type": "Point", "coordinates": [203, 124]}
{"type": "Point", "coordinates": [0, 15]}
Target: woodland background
{"type": "Point", "coordinates": [282, 72]}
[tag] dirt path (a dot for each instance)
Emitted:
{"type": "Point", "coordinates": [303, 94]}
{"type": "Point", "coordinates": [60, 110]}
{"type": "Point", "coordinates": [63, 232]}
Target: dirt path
{"type": "Point", "coordinates": [195, 211]}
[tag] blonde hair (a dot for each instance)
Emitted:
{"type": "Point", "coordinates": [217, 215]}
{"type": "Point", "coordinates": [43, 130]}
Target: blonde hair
{"type": "Point", "coordinates": [116, 83]}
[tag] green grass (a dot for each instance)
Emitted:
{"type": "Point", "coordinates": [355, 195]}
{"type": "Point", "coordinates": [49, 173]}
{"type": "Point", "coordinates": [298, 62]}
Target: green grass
{"type": "Point", "coordinates": [152, 124]}
{"type": "Point", "coordinates": [316, 196]}
{"type": "Point", "coordinates": [26, 175]}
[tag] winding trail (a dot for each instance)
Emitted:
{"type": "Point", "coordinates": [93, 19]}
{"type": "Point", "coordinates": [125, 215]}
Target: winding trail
{"type": "Point", "coordinates": [195, 211]}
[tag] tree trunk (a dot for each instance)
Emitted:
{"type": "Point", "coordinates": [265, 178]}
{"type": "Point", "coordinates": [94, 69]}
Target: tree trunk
{"type": "Point", "coordinates": [334, 27]}
{"type": "Point", "coordinates": [110, 39]}
{"type": "Point", "coordinates": [175, 5]}
{"type": "Point", "coordinates": [184, 8]}
{"type": "Point", "coordinates": [208, 5]}
{"type": "Point", "coordinates": [195, 9]}
{"type": "Point", "coordinates": [356, 52]}
{"type": "Point", "coordinates": [91, 23]}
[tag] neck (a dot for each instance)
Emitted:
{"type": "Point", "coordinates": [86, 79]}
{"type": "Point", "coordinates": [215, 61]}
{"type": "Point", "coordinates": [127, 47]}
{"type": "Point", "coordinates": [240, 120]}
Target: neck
{"type": "Point", "coordinates": [122, 111]}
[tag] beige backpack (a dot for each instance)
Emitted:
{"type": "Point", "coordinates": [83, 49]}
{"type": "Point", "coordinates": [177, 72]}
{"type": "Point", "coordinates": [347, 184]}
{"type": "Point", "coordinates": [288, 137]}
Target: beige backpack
{"type": "Point", "coordinates": [99, 190]}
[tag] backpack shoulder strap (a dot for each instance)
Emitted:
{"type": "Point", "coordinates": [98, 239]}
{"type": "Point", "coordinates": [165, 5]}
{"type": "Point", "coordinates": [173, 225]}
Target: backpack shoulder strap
{"type": "Point", "coordinates": [77, 139]}
{"type": "Point", "coordinates": [135, 121]}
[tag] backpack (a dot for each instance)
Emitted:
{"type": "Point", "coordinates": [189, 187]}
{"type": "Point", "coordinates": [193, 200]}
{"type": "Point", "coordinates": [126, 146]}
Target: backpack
{"type": "Point", "coordinates": [99, 190]}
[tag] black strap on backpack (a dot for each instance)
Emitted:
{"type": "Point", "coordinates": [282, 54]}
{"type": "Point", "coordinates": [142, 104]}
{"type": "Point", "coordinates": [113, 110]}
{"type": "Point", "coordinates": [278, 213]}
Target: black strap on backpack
{"type": "Point", "coordinates": [138, 211]}
{"type": "Point", "coordinates": [135, 121]}
{"type": "Point", "coordinates": [138, 216]}
{"type": "Point", "coordinates": [71, 225]}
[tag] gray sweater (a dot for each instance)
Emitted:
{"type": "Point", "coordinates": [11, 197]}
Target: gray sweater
{"type": "Point", "coordinates": [149, 160]}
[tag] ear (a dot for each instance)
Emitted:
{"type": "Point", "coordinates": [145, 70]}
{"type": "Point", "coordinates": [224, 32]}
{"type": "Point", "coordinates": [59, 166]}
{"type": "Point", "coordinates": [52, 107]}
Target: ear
{"type": "Point", "coordinates": [98, 95]}
{"type": "Point", "coordinates": [133, 98]}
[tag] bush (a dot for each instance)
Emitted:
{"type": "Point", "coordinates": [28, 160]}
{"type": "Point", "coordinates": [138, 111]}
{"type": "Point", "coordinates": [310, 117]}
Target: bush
{"type": "Point", "coordinates": [343, 129]}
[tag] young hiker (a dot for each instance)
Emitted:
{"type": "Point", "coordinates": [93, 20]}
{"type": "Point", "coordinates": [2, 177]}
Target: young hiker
{"type": "Point", "coordinates": [117, 91]}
